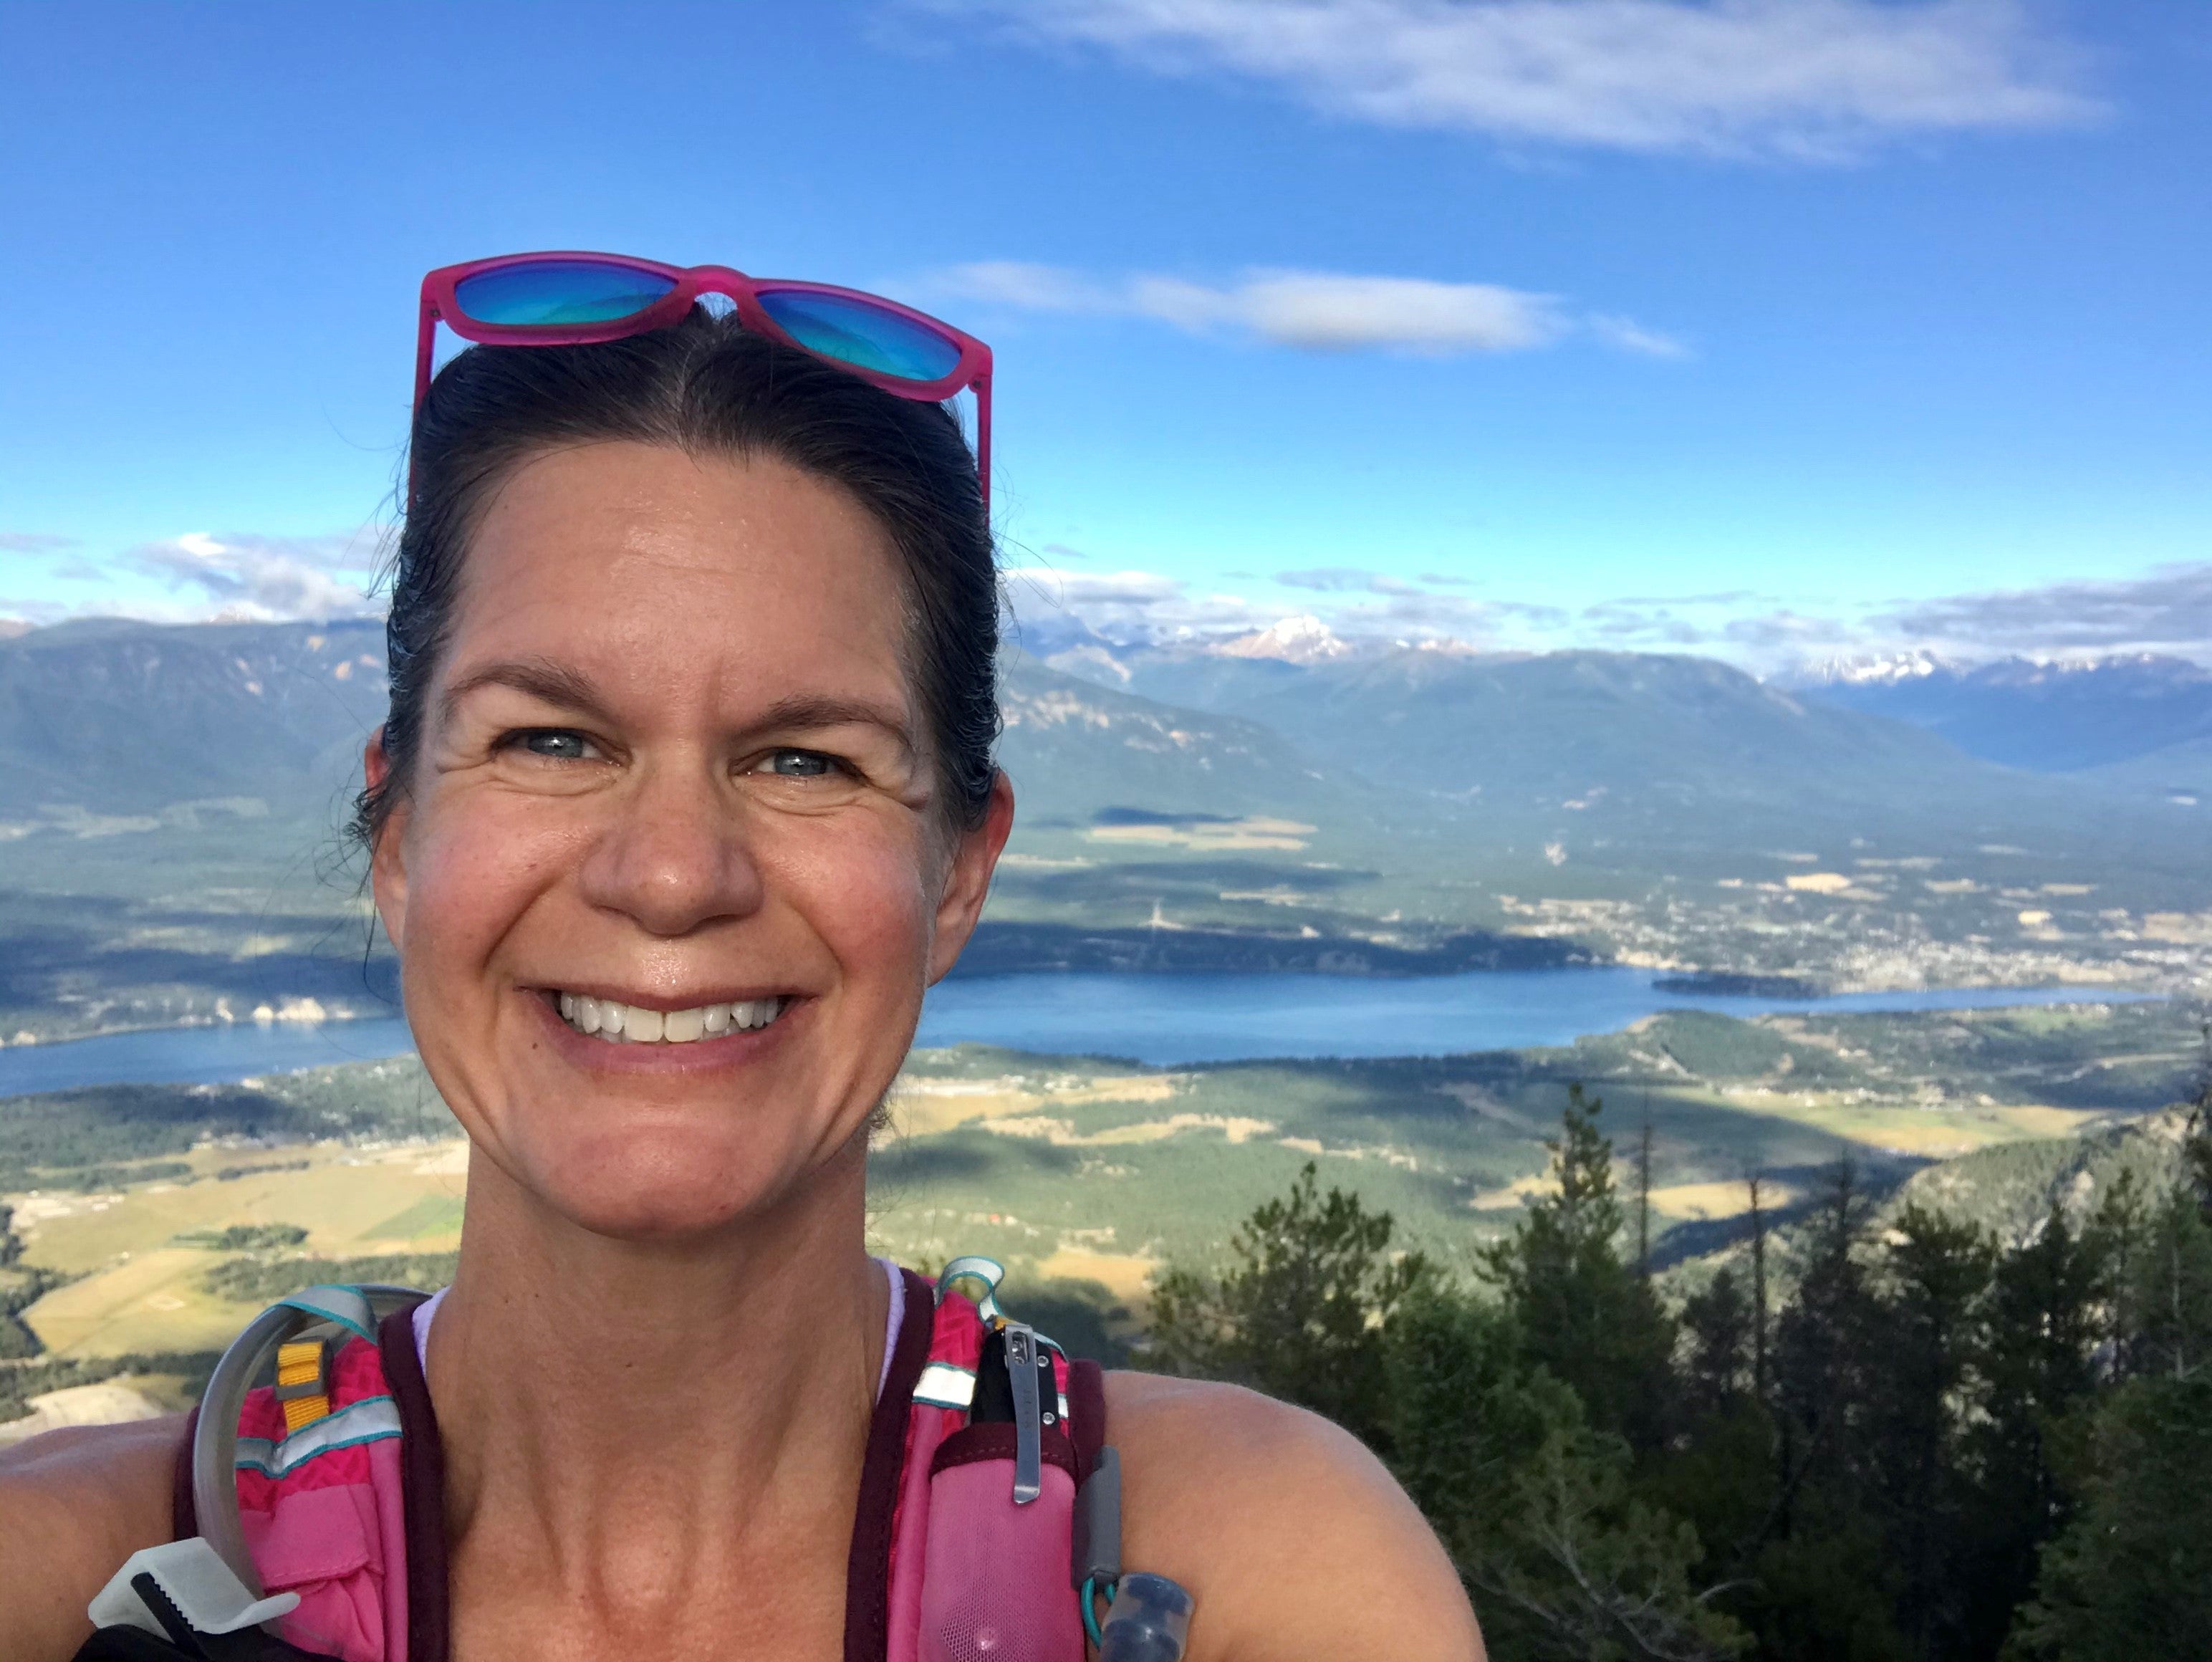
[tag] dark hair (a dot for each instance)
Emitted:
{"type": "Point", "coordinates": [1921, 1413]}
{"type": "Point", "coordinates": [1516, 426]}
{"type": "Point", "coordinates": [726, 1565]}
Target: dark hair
{"type": "Point", "coordinates": [706, 385]}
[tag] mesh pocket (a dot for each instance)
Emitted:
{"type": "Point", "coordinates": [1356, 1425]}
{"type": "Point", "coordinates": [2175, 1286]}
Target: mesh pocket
{"type": "Point", "coordinates": [995, 1587]}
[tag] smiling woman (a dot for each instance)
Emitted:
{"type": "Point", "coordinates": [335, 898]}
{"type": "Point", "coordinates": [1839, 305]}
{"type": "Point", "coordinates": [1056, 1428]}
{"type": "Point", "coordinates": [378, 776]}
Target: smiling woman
{"type": "Point", "coordinates": [685, 799]}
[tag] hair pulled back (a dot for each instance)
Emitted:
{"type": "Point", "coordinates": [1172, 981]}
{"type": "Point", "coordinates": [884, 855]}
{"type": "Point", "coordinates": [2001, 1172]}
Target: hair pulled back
{"type": "Point", "coordinates": [707, 387]}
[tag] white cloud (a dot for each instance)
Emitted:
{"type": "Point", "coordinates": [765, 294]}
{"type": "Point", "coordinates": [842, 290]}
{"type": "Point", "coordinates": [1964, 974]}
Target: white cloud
{"type": "Point", "coordinates": [261, 578]}
{"type": "Point", "coordinates": [1820, 80]}
{"type": "Point", "coordinates": [1311, 311]}
{"type": "Point", "coordinates": [1328, 312]}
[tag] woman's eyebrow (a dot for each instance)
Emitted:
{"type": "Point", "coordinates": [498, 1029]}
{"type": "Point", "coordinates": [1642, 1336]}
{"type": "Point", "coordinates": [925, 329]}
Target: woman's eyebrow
{"type": "Point", "coordinates": [572, 690]}
{"type": "Point", "coordinates": [540, 678]}
{"type": "Point", "coordinates": [802, 711]}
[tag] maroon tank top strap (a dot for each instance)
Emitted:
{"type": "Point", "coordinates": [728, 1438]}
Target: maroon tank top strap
{"type": "Point", "coordinates": [868, 1566]}
{"type": "Point", "coordinates": [183, 1516]}
{"type": "Point", "coordinates": [1087, 1407]}
{"type": "Point", "coordinates": [422, 1489]}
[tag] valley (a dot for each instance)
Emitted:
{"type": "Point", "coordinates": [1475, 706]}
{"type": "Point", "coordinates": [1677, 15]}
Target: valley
{"type": "Point", "coordinates": [172, 851]}
{"type": "Point", "coordinates": [162, 1216]}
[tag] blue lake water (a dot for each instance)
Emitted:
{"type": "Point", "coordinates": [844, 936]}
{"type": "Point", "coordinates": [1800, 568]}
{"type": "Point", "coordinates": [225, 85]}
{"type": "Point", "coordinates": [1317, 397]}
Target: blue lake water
{"type": "Point", "coordinates": [1157, 1018]}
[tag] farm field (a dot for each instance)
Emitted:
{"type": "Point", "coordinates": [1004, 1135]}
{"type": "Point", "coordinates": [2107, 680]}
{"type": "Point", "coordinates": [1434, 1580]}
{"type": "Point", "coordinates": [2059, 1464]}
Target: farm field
{"type": "Point", "coordinates": [140, 1287]}
{"type": "Point", "coordinates": [1088, 1172]}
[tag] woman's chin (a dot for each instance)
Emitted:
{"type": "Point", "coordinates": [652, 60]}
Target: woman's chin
{"type": "Point", "coordinates": [671, 1192]}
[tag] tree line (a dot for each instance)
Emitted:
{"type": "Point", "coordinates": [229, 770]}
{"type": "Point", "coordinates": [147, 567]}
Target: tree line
{"type": "Point", "coordinates": [1900, 1438]}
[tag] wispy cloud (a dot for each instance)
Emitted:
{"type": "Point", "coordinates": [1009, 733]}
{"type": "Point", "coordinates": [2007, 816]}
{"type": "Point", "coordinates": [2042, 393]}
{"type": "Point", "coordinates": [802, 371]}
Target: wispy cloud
{"type": "Point", "coordinates": [1310, 311]}
{"type": "Point", "coordinates": [246, 577]}
{"type": "Point", "coordinates": [33, 542]}
{"type": "Point", "coordinates": [2167, 610]}
{"type": "Point", "coordinates": [1342, 579]}
{"type": "Point", "coordinates": [1129, 606]}
{"type": "Point", "coordinates": [1134, 606]}
{"type": "Point", "coordinates": [1802, 80]}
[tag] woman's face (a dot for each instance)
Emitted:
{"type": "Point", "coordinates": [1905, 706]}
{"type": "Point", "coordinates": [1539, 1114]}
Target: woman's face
{"type": "Point", "coordinates": [673, 776]}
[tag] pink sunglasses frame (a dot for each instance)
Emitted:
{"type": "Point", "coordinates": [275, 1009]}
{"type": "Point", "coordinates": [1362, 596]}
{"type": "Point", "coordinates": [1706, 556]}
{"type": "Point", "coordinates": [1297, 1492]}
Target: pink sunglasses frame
{"type": "Point", "coordinates": [441, 304]}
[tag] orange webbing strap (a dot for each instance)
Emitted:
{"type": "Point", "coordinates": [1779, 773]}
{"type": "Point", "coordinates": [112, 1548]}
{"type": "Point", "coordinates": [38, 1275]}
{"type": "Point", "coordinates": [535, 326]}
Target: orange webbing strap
{"type": "Point", "coordinates": [303, 1382]}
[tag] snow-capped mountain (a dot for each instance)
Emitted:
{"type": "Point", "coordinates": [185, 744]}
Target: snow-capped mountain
{"type": "Point", "coordinates": [2052, 717]}
{"type": "Point", "coordinates": [1304, 639]}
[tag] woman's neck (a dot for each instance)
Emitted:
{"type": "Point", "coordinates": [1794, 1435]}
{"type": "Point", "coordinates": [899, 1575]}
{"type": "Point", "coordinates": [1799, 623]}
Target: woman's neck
{"type": "Point", "coordinates": [626, 1427]}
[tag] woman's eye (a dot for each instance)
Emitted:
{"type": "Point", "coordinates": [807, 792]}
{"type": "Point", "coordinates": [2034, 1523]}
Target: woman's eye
{"type": "Point", "coordinates": [799, 764]}
{"type": "Point", "coordinates": [556, 743]}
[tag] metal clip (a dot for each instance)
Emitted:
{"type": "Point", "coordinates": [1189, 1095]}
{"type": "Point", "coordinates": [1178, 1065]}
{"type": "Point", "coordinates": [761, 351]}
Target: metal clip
{"type": "Point", "coordinates": [1028, 1411]}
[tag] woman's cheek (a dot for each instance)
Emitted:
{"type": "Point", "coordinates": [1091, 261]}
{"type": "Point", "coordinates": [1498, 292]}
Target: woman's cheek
{"type": "Point", "coordinates": [485, 866]}
{"type": "Point", "coordinates": [862, 887]}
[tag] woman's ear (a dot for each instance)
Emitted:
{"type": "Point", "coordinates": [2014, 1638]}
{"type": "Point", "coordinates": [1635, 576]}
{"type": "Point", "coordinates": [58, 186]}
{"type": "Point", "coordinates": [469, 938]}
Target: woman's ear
{"type": "Point", "coordinates": [968, 883]}
{"type": "Point", "coordinates": [387, 867]}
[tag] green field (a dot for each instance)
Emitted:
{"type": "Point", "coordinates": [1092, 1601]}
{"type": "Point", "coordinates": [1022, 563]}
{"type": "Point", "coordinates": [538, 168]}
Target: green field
{"type": "Point", "coordinates": [1085, 1170]}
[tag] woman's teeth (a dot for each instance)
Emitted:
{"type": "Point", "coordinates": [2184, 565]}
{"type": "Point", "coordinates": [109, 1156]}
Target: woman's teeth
{"type": "Point", "coordinates": [626, 1024]}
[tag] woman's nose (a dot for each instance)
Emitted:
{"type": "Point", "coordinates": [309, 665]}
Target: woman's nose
{"type": "Point", "coordinates": [676, 856]}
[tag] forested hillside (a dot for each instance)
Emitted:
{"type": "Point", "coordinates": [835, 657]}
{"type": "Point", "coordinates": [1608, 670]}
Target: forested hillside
{"type": "Point", "coordinates": [1938, 1444]}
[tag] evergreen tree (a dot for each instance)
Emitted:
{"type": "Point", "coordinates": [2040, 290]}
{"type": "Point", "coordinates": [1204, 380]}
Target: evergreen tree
{"type": "Point", "coordinates": [1536, 1506]}
{"type": "Point", "coordinates": [1824, 1583]}
{"type": "Point", "coordinates": [1827, 1594]}
{"type": "Point", "coordinates": [1717, 1370]}
{"type": "Point", "coordinates": [1753, 1184]}
{"type": "Point", "coordinates": [1936, 1273]}
{"type": "Point", "coordinates": [2170, 1297]}
{"type": "Point", "coordinates": [1299, 1314]}
{"type": "Point", "coordinates": [1828, 1356]}
{"type": "Point", "coordinates": [2037, 1369]}
{"type": "Point", "coordinates": [1717, 1473]}
{"type": "Point", "coordinates": [1584, 1316]}
{"type": "Point", "coordinates": [2130, 1579]}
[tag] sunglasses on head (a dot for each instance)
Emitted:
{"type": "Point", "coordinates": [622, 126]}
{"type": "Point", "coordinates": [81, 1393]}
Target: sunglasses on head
{"type": "Point", "coordinates": [576, 299]}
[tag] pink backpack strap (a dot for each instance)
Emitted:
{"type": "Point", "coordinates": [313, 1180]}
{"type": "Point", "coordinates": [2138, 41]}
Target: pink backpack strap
{"type": "Point", "coordinates": [961, 1545]}
{"type": "Point", "coordinates": [365, 1596]}
{"type": "Point", "coordinates": [324, 1512]}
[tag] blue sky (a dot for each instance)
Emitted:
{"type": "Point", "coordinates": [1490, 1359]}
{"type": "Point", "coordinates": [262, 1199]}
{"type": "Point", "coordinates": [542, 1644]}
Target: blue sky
{"type": "Point", "coordinates": [1772, 328]}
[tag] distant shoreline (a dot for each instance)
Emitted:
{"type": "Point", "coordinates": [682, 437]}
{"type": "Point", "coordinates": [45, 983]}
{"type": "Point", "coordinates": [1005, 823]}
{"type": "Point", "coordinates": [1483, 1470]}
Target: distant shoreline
{"type": "Point", "coordinates": [1027, 948]}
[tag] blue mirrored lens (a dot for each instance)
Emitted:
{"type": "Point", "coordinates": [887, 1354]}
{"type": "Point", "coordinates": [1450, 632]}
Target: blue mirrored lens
{"type": "Point", "coordinates": [558, 291]}
{"type": "Point", "coordinates": [866, 336]}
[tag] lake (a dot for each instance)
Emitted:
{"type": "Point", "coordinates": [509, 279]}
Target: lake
{"type": "Point", "coordinates": [1157, 1018]}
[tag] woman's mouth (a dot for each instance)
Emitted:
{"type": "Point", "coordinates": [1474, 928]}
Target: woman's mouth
{"type": "Point", "coordinates": [628, 1024]}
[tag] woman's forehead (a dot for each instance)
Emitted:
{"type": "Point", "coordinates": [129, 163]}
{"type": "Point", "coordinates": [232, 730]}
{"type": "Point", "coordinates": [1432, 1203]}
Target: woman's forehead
{"type": "Point", "coordinates": [648, 567]}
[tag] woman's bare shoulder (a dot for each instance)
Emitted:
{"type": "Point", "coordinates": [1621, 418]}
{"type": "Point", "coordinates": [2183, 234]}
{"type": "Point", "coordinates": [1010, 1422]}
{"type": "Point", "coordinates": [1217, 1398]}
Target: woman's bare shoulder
{"type": "Point", "coordinates": [1295, 1541]}
{"type": "Point", "coordinates": [74, 1504]}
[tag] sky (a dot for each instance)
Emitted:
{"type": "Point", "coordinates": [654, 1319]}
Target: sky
{"type": "Point", "coordinates": [1778, 330]}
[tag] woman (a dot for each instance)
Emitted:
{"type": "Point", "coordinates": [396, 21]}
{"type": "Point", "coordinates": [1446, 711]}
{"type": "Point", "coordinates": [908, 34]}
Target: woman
{"type": "Point", "coordinates": [684, 798]}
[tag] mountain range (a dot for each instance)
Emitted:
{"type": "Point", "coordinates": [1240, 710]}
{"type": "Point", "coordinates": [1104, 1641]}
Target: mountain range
{"type": "Point", "coordinates": [1666, 758]}
{"type": "Point", "coordinates": [170, 801]}
{"type": "Point", "coordinates": [1657, 757]}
